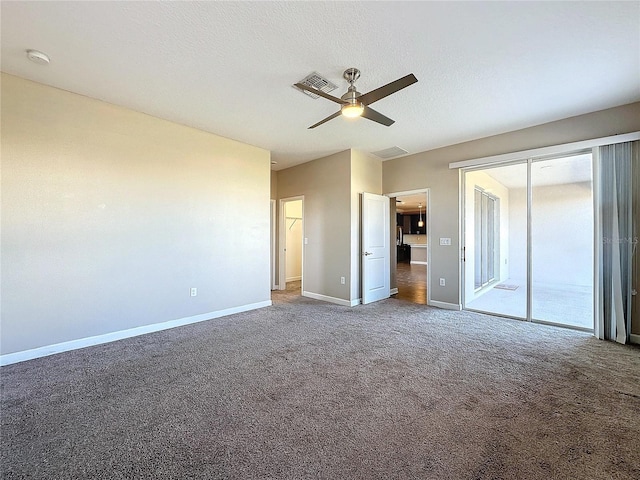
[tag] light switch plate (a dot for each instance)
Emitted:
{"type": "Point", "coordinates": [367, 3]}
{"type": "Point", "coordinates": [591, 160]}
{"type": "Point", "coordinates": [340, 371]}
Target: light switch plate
{"type": "Point", "coordinates": [445, 241]}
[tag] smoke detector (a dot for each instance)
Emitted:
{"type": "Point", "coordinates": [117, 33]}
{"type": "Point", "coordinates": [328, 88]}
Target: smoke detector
{"type": "Point", "coordinates": [38, 57]}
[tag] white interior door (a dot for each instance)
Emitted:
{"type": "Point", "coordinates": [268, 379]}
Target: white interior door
{"type": "Point", "coordinates": [375, 247]}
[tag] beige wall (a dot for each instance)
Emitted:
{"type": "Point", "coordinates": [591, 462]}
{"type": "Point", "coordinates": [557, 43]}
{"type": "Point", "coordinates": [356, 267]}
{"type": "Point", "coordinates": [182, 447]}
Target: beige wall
{"type": "Point", "coordinates": [332, 188]}
{"type": "Point", "coordinates": [274, 185]}
{"type": "Point", "coordinates": [326, 186]}
{"type": "Point", "coordinates": [366, 176]}
{"type": "Point", "coordinates": [430, 170]}
{"type": "Point", "coordinates": [109, 216]}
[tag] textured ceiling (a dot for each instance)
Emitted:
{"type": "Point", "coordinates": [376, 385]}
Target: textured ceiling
{"type": "Point", "coordinates": [227, 67]}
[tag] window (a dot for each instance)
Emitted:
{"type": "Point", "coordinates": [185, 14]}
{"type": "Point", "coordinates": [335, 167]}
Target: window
{"type": "Point", "coordinates": [487, 228]}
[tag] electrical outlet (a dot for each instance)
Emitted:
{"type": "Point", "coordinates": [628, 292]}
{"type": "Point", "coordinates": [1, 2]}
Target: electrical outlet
{"type": "Point", "coordinates": [194, 291]}
{"type": "Point", "coordinates": [342, 280]}
{"type": "Point", "coordinates": [442, 283]}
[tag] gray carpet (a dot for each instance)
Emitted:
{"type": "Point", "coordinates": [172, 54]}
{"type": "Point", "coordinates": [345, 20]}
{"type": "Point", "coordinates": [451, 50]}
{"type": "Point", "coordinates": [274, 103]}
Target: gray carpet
{"type": "Point", "coordinates": [309, 390]}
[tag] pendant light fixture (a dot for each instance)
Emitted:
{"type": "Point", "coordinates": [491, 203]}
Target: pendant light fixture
{"type": "Point", "coordinates": [420, 222]}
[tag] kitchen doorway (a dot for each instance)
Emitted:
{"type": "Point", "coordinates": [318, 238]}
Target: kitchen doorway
{"type": "Point", "coordinates": [410, 220]}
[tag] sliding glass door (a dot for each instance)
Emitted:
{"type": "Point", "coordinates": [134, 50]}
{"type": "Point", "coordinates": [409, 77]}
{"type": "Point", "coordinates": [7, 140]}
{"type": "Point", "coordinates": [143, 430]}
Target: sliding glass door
{"type": "Point", "coordinates": [529, 240]}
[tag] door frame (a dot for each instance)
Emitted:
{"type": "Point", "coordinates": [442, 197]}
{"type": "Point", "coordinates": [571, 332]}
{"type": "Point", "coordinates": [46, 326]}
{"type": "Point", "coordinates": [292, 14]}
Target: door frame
{"type": "Point", "coordinates": [282, 241]}
{"type": "Point", "coordinates": [273, 283]}
{"type": "Point", "coordinates": [427, 219]}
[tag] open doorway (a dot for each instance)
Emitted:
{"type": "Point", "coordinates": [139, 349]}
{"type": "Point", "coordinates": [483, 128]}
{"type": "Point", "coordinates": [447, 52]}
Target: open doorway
{"type": "Point", "coordinates": [410, 260]}
{"type": "Point", "coordinates": [291, 245]}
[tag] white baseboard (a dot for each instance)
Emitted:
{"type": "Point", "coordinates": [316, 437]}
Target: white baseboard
{"type": "Point", "coordinates": [16, 357]}
{"type": "Point", "coordinates": [393, 291]}
{"type": "Point", "coordinates": [293, 279]}
{"type": "Point", "coordinates": [635, 339]}
{"type": "Point", "coordinates": [275, 287]}
{"type": "Point", "coordinates": [326, 298]}
{"type": "Point", "coordinates": [416, 262]}
{"type": "Point", "coordinates": [355, 302]}
{"type": "Point", "coordinates": [445, 305]}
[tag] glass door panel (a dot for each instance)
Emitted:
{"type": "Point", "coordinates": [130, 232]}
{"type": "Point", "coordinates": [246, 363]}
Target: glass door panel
{"type": "Point", "coordinates": [496, 240]}
{"type": "Point", "coordinates": [562, 241]}
{"type": "Point", "coordinates": [477, 228]}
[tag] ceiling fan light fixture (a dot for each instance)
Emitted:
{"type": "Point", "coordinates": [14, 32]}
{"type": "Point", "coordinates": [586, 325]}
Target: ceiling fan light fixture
{"type": "Point", "coordinates": [352, 110]}
{"type": "Point", "coordinates": [353, 104]}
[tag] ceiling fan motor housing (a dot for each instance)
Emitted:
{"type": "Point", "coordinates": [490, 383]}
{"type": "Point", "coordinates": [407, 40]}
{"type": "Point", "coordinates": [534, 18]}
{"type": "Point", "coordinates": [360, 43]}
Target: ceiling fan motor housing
{"type": "Point", "coordinates": [351, 75]}
{"type": "Point", "coordinates": [351, 96]}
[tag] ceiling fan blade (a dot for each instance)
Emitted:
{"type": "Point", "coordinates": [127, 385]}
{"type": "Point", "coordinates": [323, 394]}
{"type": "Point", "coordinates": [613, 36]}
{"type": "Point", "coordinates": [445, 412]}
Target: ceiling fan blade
{"type": "Point", "coordinates": [388, 89]}
{"type": "Point", "coordinates": [315, 91]}
{"type": "Point", "coordinates": [330, 117]}
{"type": "Point", "coordinates": [371, 114]}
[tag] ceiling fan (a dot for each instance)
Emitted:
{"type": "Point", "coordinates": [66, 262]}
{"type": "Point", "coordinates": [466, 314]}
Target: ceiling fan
{"type": "Point", "coordinates": [356, 104]}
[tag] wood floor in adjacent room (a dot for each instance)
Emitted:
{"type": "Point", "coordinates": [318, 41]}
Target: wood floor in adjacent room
{"type": "Point", "coordinates": [412, 282]}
